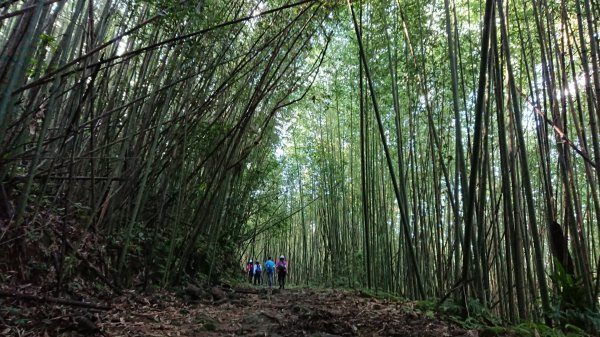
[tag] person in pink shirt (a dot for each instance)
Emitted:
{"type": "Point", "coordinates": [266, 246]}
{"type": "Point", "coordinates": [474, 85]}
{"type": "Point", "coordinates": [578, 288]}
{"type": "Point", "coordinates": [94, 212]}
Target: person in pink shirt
{"type": "Point", "coordinates": [250, 270]}
{"type": "Point", "coordinates": [282, 270]}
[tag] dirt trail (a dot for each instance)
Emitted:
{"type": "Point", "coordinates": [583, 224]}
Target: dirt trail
{"type": "Point", "coordinates": [293, 312]}
{"type": "Point", "coordinates": [242, 312]}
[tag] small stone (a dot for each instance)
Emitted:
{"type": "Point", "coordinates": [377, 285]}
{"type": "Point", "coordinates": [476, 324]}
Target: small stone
{"type": "Point", "coordinates": [86, 326]}
{"type": "Point", "coordinates": [252, 320]}
{"type": "Point", "coordinates": [193, 292]}
{"type": "Point", "coordinates": [210, 326]}
{"type": "Point", "coordinates": [218, 293]}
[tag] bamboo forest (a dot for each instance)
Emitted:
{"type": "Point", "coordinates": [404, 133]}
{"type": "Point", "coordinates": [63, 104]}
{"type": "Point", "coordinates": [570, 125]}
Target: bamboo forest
{"type": "Point", "coordinates": [299, 168]}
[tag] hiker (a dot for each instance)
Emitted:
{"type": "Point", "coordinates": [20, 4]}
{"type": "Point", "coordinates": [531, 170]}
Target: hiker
{"type": "Point", "coordinates": [257, 273]}
{"type": "Point", "coordinates": [281, 271]}
{"type": "Point", "coordinates": [270, 269]}
{"type": "Point", "coordinates": [250, 270]}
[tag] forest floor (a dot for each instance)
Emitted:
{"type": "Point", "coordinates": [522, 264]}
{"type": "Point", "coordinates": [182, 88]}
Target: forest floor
{"type": "Point", "coordinates": [249, 311]}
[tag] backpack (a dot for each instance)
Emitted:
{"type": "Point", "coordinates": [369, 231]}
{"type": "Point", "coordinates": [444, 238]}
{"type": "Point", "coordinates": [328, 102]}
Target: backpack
{"type": "Point", "coordinates": [281, 267]}
{"type": "Point", "coordinates": [270, 266]}
{"type": "Point", "coordinates": [258, 268]}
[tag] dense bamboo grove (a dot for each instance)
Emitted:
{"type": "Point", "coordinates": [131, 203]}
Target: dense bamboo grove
{"type": "Point", "coordinates": [431, 149]}
{"type": "Point", "coordinates": [150, 123]}
{"type": "Point", "coordinates": [489, 111]}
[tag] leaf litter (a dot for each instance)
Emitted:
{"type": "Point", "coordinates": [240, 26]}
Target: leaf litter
{"type": "Point", "coordinates": [232, 312]}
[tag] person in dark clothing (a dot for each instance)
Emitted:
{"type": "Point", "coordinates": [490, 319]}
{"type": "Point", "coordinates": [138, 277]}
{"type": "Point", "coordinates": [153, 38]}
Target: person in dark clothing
{"type": "Point", "coordinates": [281, 271]}
{"type": "Point", "coordinates": [257, 273]}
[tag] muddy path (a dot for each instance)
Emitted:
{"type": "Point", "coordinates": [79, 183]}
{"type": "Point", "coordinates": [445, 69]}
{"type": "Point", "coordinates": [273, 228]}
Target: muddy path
{"type": "Point", "coordinates": [244, 311]}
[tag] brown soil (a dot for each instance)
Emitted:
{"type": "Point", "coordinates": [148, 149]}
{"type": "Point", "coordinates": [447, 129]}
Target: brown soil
{"type": "Point", "coordinates": [234, 312]}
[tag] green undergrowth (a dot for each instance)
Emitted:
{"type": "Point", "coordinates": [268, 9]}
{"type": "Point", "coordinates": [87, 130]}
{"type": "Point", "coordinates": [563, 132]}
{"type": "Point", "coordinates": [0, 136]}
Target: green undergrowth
{"type": "Point", "coordinates": [480, 319]}
{"type": "Point", "coordinates": [379, 294]}
{"type": "Point", "coordinates": [362, 292]}
{"type": "Point", "coordinates": [488, 325]}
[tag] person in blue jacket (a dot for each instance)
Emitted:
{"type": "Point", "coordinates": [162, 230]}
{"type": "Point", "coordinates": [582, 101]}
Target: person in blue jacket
{"type": "Point", "coordinates": [270, 269]}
